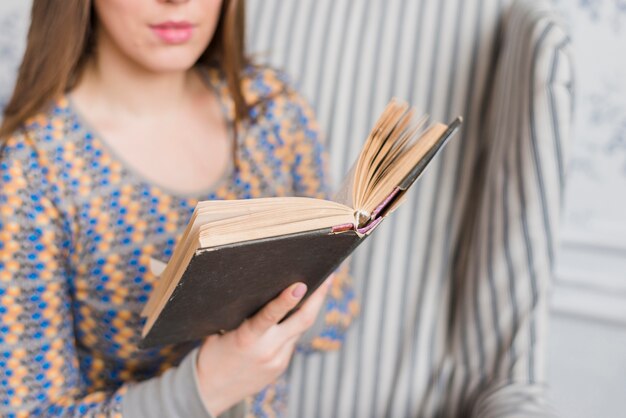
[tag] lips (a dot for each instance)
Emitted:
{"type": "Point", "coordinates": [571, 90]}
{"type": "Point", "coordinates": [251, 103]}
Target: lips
{"type": "Point", "coordinates": [173, 32]}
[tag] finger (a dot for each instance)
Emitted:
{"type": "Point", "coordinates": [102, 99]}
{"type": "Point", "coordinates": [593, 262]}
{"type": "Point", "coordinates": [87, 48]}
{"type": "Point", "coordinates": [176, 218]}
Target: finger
{"type": "Point", "coordinates": [304, 317]}
{"type": "Point", "coordinates": [274, 311]}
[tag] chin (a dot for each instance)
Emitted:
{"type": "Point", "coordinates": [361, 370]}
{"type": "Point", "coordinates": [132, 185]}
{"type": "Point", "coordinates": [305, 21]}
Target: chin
{"type": "Point", "coordinates": [170, 61]}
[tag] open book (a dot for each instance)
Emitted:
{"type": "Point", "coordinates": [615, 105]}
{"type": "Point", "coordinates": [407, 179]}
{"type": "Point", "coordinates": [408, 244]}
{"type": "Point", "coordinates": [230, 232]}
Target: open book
{"type": "Point", "coordinates": [237, 255]}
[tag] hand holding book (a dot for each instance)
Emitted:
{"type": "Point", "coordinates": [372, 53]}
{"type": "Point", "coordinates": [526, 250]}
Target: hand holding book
{"type": "Point", "coordinates": [242, 362]}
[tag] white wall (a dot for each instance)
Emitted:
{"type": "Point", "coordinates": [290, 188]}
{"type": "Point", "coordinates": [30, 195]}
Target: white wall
{"type": "Point", "coordinates": [587, 367]}
{"type": "Point", "coordinates": [593, 256]}
{"type": "Point", "coordinates": [587, 357]}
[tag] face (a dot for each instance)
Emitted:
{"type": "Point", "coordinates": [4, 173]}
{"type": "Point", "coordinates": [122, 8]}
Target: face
{"type": "Point", "coordinates": [159, 35]}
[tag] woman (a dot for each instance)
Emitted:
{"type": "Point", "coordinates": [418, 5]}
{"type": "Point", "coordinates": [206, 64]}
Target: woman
{"type": "Point", "coordinates": [126, 114]}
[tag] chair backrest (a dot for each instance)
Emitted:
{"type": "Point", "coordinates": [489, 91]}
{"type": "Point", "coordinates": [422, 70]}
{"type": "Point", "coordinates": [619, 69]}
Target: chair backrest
{"type": "Point", "coordinates": [349, 57]}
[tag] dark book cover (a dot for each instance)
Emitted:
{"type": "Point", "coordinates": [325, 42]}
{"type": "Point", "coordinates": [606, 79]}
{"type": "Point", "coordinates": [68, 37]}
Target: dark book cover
{"type": "Point", "coordinates": [224, 285]}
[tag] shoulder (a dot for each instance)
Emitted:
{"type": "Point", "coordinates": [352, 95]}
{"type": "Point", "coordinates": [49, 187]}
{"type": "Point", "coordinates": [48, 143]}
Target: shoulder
{"type": "Point", "coordinates": [264, 86]}
{"type": "Point", "coordinates": [31, 155]}
{"type": "Point", "coordinates": [262, 82]}
{"type": "Point", "coordinates": [47, 130]}
{"type": "Point", "coordinates": [267, 91]}
{"type": "Point", "coordinates": [272, 93]}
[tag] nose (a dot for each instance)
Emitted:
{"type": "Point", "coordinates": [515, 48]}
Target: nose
{"type": "Point", "coordinates": [173, 1]}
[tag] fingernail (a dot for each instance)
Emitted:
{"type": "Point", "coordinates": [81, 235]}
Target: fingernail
{"type": "Point", "coordinates": [299, 291]}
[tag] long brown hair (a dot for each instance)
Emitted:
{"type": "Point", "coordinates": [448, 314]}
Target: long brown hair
{"type": "Point", "coordinates": [61, 38]}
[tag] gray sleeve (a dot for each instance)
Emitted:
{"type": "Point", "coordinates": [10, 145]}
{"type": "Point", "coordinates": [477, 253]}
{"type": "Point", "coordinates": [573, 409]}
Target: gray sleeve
{"type": "Point", "coordinates": [171, 395]}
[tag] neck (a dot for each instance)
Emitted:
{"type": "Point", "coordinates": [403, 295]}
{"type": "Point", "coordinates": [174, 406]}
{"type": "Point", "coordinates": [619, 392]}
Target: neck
{"type": "Point", "coordinates": [125, 86]}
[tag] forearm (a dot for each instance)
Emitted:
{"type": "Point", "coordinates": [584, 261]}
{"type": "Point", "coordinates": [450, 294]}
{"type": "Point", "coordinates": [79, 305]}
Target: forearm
{"type": "Point", "coordinates": [173, 394]}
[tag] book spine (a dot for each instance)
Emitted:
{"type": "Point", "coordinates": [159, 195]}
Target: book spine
{"type": "Point", "coordinates": [383, 205]}
{"type": "Point", "coordinates": [342, 228]}
{"type": "Point", "coordinates": [369, 227]}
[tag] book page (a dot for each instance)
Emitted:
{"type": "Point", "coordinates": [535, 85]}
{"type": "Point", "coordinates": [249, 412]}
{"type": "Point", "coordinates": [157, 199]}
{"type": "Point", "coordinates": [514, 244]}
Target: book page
{"type": "Point", "coordinates": [401, 142]}
{"type": "Point", "coordinates": [344, 194]}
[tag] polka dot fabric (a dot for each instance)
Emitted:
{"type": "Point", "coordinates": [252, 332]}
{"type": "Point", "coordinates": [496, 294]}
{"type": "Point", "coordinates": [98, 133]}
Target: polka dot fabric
{"type": "Point", "coordinates": [77, 231]}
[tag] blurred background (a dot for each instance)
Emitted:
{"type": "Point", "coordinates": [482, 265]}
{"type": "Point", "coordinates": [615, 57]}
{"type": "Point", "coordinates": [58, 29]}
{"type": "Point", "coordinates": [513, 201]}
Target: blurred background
{"type": "Point", "coordinates": [587, 359]}
{"type": "Point", "coordinates": [587, 350]}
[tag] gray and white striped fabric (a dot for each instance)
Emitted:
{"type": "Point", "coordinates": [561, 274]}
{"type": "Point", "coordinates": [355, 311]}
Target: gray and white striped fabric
{"type": "Point", "coordinates": [454, 286]}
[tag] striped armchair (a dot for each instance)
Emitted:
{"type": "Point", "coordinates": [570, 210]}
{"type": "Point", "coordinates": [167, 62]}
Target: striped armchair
{"type": "Point", "coordinates": [454, 288]}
